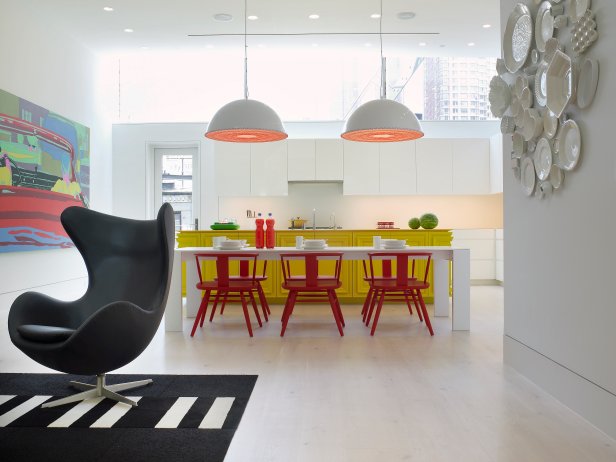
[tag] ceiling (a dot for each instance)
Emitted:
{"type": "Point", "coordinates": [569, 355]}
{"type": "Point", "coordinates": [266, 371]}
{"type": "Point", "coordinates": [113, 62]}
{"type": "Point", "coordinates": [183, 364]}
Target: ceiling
{"type": "Point", "coordinates": [445, 27]}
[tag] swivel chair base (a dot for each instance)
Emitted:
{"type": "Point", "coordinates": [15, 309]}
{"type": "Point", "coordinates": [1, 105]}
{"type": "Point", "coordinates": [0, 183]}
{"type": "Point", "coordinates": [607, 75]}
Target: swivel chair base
{"type": "Point", "coordinates": [99, 390]}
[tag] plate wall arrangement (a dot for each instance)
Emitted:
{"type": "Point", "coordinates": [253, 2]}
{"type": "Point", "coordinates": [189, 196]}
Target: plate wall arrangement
{"type": "Point", "coordinates": [535, 89]}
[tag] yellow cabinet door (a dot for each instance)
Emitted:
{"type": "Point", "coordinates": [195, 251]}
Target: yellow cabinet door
{"type": "Point", "coordinates": [187, 239]}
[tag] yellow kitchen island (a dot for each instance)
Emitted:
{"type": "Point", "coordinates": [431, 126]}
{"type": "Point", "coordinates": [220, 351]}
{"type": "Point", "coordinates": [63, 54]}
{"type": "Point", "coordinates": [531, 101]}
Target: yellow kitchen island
{"type": "Point", "coordinates": [353, 289]}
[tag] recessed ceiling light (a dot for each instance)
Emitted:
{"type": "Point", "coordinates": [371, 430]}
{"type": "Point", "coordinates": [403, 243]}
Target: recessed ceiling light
{"type": "Point", "coordinates": [314, 16]}
{"type": "Point", "coordinates": [471, 44]}
{"type": "Point", "coordinates": [375, 16]}
{"type": "Point", "coordinates": [145, 48]}
{"type": "Point", "coordinates": [368, 44]}
{"type": "Point", "coordinates": [252, 17]}
{"type": "Point", "coordinates": [223, 17]}
{"type": "Point", "coordinates": [261, 45]}
{"type": "Point", "coordinates": [487, 26]}
{"type": "Point", "coordinates": [128, 30]}
{"type": "Point", "coordinates": [405, 15]}
{"type": "Point", "coordinates": [107, 8]}
{"type": "Point", "coordinates": [315, 44]}
{"type": "Point", "coordinates": [422, 44]}
{"type": "Point", "coordinates": [209, 45]}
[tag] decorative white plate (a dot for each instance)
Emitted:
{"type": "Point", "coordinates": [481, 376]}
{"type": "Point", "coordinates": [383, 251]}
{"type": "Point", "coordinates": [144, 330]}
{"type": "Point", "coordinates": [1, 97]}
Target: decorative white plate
{"type": "Point", "coordinates": [559, 83]}
{"type": "Point", "coordinates": [533, 124]}
{"type": "Point", "coordinates": [507, 125]}
{"type": "Point", "coordinates": [543, 158]}
{"type": "Point", "coordinates": [518, 37]}
{"type": "Point", "coordinates": [544, 25]}
{"type": "Point", "coordinates": [569, 145]}
{"type": "Point", "coordinates": [519, 144]}
{"type": "Point", "coordinates": [550, 124]}
{"type": "Point", "coordinates": [499, 96]}
{"type": "Point", "coordinates": [587, 83]}
{"type": "Point", "coordinates": [550, 48]}
{"type": "Point", "coordinates": [556, 176]}
{"type": "Point", "coordinates": [540, 78]}
{"type": "Point", "coordinates": [527, 176]}
{"type": "Point", "coordinates": [584, 33]}
{"type": "Point", "coordinates": [577, 8]}
{"type": "Point", "coordinates": [526, 98]}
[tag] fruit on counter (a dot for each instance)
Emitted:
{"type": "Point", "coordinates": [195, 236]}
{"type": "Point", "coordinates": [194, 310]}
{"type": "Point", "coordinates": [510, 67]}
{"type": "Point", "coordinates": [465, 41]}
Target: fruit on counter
{"type": "Point", "coordinates": [428, 221]}
{"type": "Point", "coordinates": [414, 223]}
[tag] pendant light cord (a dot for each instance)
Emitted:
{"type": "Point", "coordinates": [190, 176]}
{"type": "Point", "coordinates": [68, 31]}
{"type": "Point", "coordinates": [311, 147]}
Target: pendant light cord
{"type": "Point", "coordinates": [245, 53]}
{"type": "Point", "coordinates": [383, 62]}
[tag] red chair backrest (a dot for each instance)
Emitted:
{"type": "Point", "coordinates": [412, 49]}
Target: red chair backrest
{"type": "Point", "coordinates": [223, 260]}
{"type": "Point", "coordinates": [400, 261]}
{"type": "Point", "coordinates": [311, 265]}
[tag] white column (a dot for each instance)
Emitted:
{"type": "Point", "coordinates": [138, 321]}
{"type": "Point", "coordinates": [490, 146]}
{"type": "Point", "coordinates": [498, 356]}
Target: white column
{"type": "Point", "coordinates": [441, 287]}
{"type": "Point", "coordinates": [173, 311]}
{"type": "Point", "coordinates": [193, 296]}
{"type": "Point", "coordinates": [461, 300]}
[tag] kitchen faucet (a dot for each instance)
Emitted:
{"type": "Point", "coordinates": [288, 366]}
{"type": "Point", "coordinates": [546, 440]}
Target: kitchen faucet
{"type": "Point", "coordinates": [314, 219]}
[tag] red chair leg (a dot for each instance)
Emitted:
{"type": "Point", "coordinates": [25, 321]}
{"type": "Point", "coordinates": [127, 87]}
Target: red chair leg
{"type": "Point", "coordinates": [339, 308]}
{"type": "Point", "coordinates": [408, 302]}
{"type": "Point", "coordinates": [263, 301]}
{"type": "Point", "coordinates": [288, 310]}
{"type": "Point", "coordinates": [201, 313]}
{"type": "Point", "coordinates": [224, 303]}
{"type": "Point", "coordinates": [378, 312]}
{"type": "Point", "coordinates": [246, 315]}
{"type": "Point", "coordinates": [364, 309]}
{"type": "Point", "coordinates": [417, 307]}
{"type": "Point", "coordinates": [254, 307]}
{"type": "Point", "coordinates": [425, 312]}
{"type": "Point", "coordinates": [375, 297]}
{"type": "Point", "coordinates": [216, 304]}
{"type": "Point", "coordinates": [332, 302]}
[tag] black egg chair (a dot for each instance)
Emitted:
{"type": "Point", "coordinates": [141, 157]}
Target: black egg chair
{"type": "Point", "coordinates": [129, 265]}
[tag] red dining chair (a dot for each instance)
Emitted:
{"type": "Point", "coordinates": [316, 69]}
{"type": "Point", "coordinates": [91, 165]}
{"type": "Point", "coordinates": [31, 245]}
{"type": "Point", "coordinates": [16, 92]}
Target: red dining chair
{"type": "Point", "coordinates": [228, 286]}
{"type": "Point", "coordinates": [402, 296]}
{"type": "Point", "coordinates": [407, 280]}
{"type": "Point", "coordinates": [259, 278]}
{"type": "Point", "coordinates": [305, 277]}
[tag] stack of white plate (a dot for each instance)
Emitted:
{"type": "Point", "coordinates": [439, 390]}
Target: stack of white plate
{"type": "Point", "coordinates": [314, 244]}
{"type": "Point", "coordinates": [231, 244]}
{"type": "Point", "coordinates": [393, 244]}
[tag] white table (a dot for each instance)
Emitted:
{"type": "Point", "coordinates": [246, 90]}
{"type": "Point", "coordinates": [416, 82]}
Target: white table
{"type": "Point", "coordinates": [460, 258]}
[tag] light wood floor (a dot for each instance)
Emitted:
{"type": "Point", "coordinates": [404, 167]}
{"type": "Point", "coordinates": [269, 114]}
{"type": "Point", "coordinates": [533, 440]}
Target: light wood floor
{"type": "Point", "coordinates": [398, 396]}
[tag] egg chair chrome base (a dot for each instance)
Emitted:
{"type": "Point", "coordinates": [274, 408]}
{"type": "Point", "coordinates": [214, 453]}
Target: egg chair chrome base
{"type": "Point", "coordinates": [99, 390]}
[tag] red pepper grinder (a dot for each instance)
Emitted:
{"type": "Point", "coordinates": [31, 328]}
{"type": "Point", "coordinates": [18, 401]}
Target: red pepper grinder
{"type": "Point", "coordinates": [259, 233]}
{"type": "Point", "coordinates": [270, 234]}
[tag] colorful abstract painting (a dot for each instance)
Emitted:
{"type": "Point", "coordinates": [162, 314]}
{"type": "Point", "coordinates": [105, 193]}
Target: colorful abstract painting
{"type": "Point", "coordinates": [44, 168]}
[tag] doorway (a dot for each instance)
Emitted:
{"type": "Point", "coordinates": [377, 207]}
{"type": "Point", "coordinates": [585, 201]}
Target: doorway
{"type": "Point", "coordinates": [176, 181]}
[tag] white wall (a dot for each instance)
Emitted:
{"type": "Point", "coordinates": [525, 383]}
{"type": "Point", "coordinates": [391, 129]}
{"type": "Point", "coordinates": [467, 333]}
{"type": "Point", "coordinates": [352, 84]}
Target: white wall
{"type": "Point", "coordinates": [560, 315]}
{"type": "Point", "coordinates": [48, 68]}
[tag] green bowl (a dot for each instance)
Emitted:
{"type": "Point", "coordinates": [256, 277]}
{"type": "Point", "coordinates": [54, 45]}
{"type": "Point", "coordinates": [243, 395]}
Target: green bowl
{"type": "Point", "coordinates": [224, 226]}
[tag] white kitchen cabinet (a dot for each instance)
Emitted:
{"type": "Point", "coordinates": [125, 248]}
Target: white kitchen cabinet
{"type": "Point", "coordinates": [329, 160]}
{"type": "Point", "coordinates": [251, 169]}
{"type": "Point", "coordinates": [434, 166]}
{"type": "Point", "coordinates": [301, 160]}
{"type": "Point", "coordinates": [398, 175]}
{"type": "Point", "coordinates": [268, 171]}
{"type": "Point", "coordinates": [232, 168]}
{"type": "Point", "coordinates": [471, 166]}
{"type": "Point", "coordinates": [315, 160]}
{"type": "Point", "coordinates": [361, 168]}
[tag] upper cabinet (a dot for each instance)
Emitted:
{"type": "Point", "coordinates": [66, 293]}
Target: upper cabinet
{"type": "Point", "coordinates": [361, 168]}
{"type": "Point", "coordinates": [434, 166]}
{"type": "Point", "coordinates": [251, 169]}
{"type": "Point", "coordinates": [232, 168]}
{"type": "Point", "coordinates": [471, 166]}
{"type": "Point", "coordinates": [315, 160]}
{"type": "Point", "coordinates": [397, 170]}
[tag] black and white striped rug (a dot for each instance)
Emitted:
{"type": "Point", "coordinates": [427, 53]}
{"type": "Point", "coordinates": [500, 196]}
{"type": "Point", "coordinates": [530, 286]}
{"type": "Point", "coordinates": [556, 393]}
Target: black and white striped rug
{"type": "Point", "coordinates": [178, 417]}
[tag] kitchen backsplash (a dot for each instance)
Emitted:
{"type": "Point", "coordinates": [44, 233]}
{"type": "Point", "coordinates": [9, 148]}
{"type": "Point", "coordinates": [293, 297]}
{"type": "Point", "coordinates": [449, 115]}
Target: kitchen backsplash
{"type": "Point", "coordinates": [359, 212]}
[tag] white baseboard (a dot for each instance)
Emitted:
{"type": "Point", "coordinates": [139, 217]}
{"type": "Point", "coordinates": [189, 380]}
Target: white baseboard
{"type": "Point", "coordinates": [592, 402]}
{"type": "Point", "coordinates": [486, 282]}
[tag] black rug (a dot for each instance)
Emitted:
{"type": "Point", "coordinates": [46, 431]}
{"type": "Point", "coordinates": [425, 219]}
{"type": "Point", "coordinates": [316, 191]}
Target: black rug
{"type": "Point", "coordinates": [203, 410]}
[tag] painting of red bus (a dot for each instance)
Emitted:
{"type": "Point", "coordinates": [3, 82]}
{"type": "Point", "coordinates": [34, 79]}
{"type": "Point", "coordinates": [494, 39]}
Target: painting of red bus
{"type": "Point", "coordinates": [44, 168]}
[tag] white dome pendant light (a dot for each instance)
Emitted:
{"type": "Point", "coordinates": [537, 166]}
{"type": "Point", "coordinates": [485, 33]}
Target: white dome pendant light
{"type": "Point", "coordinates": [246, 120]}
{"type": "Point", "coordinates": [382, 120]}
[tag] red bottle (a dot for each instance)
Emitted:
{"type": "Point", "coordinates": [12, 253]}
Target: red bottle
{"type": "Point", "coordinates": [259, 234]}
{"type": "Point", "coordinates": [270, 234]}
